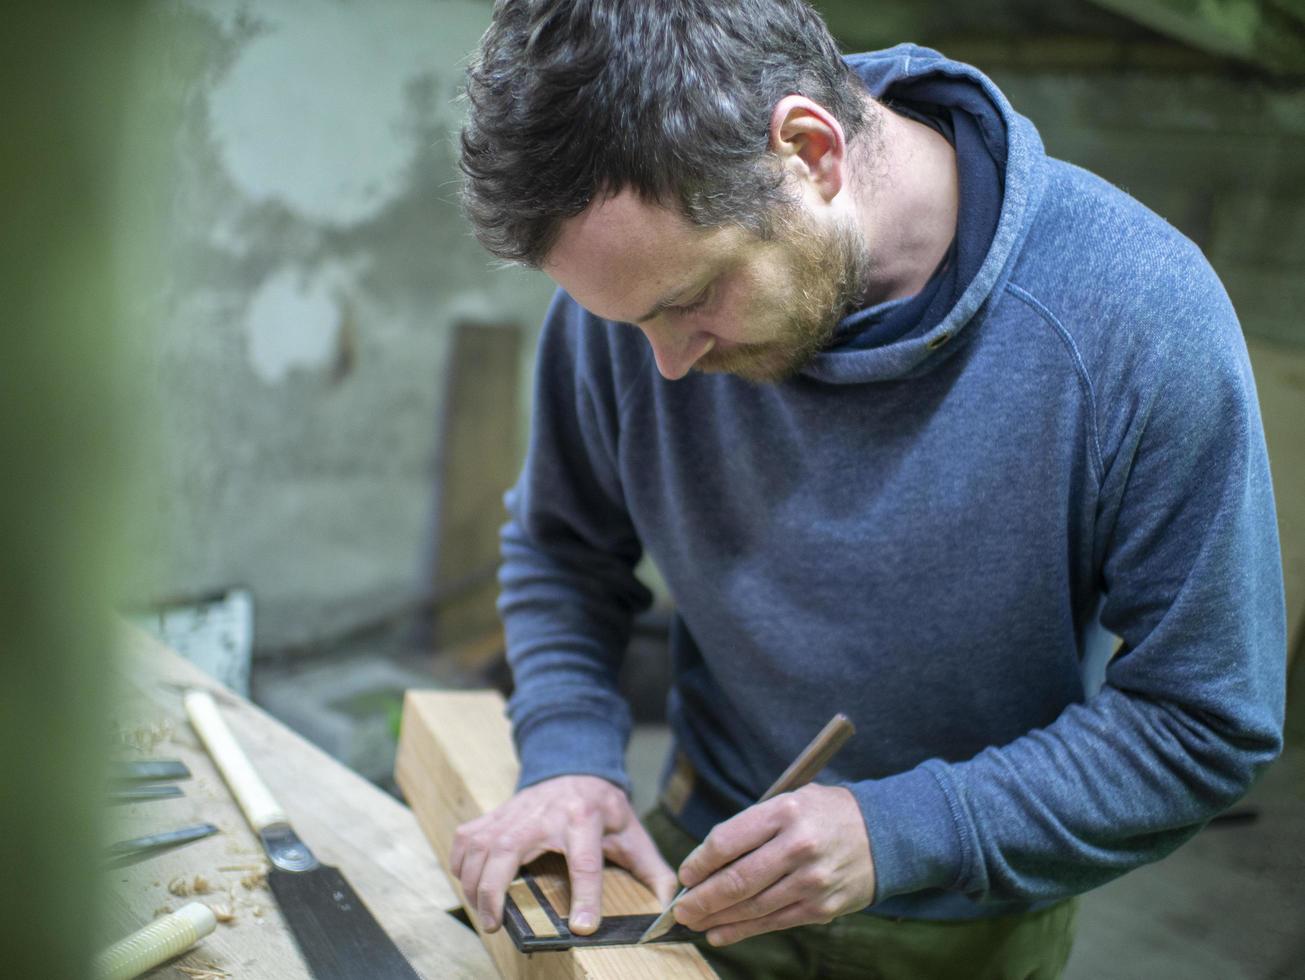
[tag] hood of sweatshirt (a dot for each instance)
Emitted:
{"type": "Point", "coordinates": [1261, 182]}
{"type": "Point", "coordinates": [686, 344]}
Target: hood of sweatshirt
{"type": "Point", "coordinates": [894, 73]}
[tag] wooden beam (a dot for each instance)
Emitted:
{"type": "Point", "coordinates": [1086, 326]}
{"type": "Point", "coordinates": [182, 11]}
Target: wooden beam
{"type": "Point", "coordinates": [455, 762]}
{"type": "Point", "coordinates": [479, 458]}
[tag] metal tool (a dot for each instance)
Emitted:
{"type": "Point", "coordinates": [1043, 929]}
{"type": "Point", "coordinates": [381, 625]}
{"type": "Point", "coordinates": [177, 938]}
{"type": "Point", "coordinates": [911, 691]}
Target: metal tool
{"type": "Point", "coordinates": [535, 926]}
{"type": "Point", "coordinates": [126, 851]}
{"type": "Point", "coordinates": [802, 770]}
{"type": "Point", "coordinates": [147, 771]}
{"type": "Point", "coordinates": [141, 794]}
{"type": "Point", "coordinates": [337, 935]}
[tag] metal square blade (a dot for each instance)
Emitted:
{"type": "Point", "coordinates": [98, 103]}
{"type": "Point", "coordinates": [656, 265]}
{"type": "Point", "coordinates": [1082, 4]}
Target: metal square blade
{"type": "Point", "coordinates": [337, 935]}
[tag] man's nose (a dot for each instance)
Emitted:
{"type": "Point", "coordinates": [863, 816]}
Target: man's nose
{"type": "Point", "coordinates": [675, 350]}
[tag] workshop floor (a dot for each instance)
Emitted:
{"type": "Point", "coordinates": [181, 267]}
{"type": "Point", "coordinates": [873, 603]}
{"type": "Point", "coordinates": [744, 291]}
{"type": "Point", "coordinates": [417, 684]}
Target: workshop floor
{"type": "Point", "coordinates": [1228, 905]}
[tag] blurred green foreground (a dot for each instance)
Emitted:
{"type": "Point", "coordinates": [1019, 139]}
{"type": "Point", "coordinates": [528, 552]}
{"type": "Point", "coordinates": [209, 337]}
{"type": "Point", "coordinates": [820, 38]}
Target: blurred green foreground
{"type": "Point", "coordinates": [72, 163]}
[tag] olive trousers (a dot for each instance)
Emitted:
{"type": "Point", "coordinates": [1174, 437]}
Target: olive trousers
{"type": "Point", "coordinates": [1028, 946]}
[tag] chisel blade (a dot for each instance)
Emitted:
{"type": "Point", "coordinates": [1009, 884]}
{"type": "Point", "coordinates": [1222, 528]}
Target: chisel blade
{"type": "Point", "coordinates": [337, 935]}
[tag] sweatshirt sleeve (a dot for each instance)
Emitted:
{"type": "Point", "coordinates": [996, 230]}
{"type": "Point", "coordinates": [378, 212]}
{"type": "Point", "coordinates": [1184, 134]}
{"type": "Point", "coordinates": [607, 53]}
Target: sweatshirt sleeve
{"type": "Point", "coordinates": [568, 592]}
{"type": "Point", "coordinates": [1192, 706]}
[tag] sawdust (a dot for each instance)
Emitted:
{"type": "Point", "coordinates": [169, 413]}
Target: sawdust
{"type": "Point", "coordinates": [255, 879]}
{"type": "Point", "coordinates": [144, 737]}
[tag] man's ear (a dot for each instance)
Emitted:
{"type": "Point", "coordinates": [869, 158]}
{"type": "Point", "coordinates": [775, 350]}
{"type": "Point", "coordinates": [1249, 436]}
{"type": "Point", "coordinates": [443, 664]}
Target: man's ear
{"type": "Point", "coordinates": [810, 144]}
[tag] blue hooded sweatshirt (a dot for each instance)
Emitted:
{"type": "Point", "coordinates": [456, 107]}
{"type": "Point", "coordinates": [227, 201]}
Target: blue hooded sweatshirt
{"type": "Point", "coordinates": [940, 535]}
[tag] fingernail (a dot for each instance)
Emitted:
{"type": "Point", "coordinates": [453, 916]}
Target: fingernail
{"type": "Point", "coordinates": [487, 920]}
{"type": "Point", "coordinates": [583, 922]}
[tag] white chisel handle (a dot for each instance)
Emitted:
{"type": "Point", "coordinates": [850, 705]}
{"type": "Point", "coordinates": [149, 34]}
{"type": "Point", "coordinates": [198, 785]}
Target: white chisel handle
{"type": "Point", "coordinates": [158, 942]}
{"type": "Point", "coordinates": [256, 800]}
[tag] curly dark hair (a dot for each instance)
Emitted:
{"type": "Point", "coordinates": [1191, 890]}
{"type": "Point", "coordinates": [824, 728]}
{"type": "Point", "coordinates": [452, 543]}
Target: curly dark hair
{"type": "Point", "coordinates": [570, 100]}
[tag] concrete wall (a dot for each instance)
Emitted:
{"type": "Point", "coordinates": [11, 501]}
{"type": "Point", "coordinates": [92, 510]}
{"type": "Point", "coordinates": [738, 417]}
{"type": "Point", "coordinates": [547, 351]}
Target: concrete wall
{"type": "Point", "coordinates": [319, 264]}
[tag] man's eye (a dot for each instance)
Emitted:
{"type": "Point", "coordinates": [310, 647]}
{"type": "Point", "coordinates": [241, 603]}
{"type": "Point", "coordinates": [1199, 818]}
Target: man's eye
{"type": "Point", "coordinates": [697, 304]}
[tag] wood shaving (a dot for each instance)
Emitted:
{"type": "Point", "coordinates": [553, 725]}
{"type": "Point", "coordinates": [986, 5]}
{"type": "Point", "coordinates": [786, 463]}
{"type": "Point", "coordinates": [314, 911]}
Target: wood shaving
{"type": "Point", "coordinates": [162, 910]}
{"type": "Point", "coordinates": [223, 913]}
{"type": "Point", "coordinates": [205, 971]}
{"type": "Point", "coordinates": [244, 867]}
{"type": "Point", "coordinates": [199, 885]}
{"type": "Point", "coordinates": [255, 879]}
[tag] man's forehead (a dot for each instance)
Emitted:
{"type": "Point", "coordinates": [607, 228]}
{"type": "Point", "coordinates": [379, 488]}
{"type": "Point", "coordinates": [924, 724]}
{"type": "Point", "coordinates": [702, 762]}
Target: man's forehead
{"type": "Point", "coordinates": [630, 224]}
{"type": "Point", "coordinates": [622, 253]}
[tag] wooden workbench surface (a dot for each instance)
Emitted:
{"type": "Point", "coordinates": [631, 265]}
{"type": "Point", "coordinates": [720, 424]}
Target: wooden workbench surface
{"type": "Point", "coordinates": [348, 822]}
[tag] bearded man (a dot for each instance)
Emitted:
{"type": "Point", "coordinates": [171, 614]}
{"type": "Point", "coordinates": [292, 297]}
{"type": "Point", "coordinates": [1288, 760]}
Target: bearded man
{"type": "Point", "coordinates": [919, 424]}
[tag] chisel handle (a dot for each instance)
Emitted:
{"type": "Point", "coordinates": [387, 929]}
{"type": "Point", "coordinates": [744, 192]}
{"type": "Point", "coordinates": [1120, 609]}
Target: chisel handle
{"type": "Point", "coordinates": [158, 942]}
{"type": "Point", "coordinates": [256, 801]}
{"type": "Point", "coordinates": [814, 757]}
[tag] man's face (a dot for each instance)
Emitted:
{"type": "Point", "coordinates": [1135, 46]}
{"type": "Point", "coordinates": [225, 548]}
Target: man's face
{"type": "Point", "coordinates": [718, 299]}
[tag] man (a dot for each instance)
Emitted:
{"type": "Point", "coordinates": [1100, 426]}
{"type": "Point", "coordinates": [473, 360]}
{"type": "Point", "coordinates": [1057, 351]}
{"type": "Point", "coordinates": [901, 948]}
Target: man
{"type": "Point", "coordinates": [914, 420]}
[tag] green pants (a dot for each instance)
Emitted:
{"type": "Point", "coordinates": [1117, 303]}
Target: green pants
{"type": "Point", "coordinates": [1031, 946]}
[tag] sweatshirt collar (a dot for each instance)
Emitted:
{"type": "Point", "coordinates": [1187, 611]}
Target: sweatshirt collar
{"type": "Point", "coordinates": [1024, 180]}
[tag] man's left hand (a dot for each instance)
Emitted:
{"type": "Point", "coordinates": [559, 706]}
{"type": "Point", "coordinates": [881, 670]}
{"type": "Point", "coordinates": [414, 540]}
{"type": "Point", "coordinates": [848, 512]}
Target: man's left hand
{"type": "Point", "coordinates": [800, 858]}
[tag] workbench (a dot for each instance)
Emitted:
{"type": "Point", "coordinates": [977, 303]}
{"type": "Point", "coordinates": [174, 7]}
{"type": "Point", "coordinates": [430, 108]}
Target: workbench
{"type": "Point", "coordinates": [347, 821]}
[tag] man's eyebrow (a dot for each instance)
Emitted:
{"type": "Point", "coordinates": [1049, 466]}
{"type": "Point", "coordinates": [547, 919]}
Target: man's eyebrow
{"type": "Point", "coordinates": [666, 302]}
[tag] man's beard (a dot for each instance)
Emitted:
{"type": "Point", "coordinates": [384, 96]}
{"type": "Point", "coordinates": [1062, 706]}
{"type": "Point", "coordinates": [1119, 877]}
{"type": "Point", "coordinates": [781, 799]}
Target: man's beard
{"type": "Point", "coordinates": [828, 274]}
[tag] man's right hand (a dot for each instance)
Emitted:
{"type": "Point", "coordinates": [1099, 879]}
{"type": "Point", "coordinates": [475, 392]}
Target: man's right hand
{"type": "Point", "coordinates": [583, 818]}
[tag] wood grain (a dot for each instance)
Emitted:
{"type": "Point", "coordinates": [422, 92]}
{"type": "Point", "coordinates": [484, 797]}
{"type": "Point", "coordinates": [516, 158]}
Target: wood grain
{"type": "Point", "coordinates": [347, 821]}
{"type": "Point", "coordinates": [534, 914]}
{"type": "Point", "coordinates": [455, 762]}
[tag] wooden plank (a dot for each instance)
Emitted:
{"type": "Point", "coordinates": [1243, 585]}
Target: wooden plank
{"type": "Point", "coordinates": [480, 456]}
{"type": "Point", "coordinates": [456, 762]}
{"type": "Point", "coordinates": [348, 822]}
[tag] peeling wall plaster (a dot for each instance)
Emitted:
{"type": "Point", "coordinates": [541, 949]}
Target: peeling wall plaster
{"type": "Point", "coordinates": [321, 263]}
{"type": "Point", "coordinates": [312, 112]}
{"type": "Point", "coordinates": [293, 323]}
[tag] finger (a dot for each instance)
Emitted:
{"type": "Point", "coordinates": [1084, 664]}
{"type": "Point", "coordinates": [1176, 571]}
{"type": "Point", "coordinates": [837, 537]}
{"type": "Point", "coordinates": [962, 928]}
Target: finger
{"type": "Point", "coordinates": [780, 895]}
{"type": "Point", "coordinates": [730, 840]}
{"type": "Point", "coordinates": [734, 884]}
{"type": "Point", "coordinates": [461, 844]}
{"type": "Point", "coordinates": [633, 848]}
{"type": "Point", "coordinates": [498, 873]}
{"type": "Point", "coordinates": [472, 863]}
{"type": "Point", "coordinates": [785, 918]}
{"type": "Point", "coordinates": [584, 864]}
